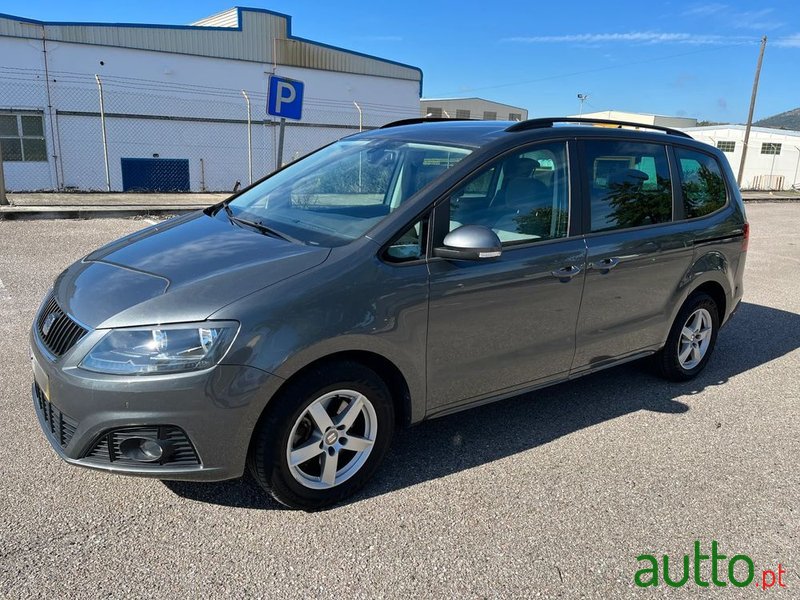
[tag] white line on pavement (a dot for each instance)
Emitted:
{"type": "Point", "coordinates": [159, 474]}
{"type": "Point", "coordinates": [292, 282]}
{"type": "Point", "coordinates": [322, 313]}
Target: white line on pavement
{"type": "Point", "coordinates": [4, 295]}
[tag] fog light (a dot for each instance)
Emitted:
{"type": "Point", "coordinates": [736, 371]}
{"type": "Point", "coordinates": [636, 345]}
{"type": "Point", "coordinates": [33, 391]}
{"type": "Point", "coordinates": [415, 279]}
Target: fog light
{"type": "Point", "coordinates": [142, 449]}
{"type": "Point", "coordinates": [151, 449]}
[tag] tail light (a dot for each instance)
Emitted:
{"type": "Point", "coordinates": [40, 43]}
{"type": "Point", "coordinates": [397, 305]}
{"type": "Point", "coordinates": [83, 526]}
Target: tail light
{"type": "Point", "coordinates": [746, 239]}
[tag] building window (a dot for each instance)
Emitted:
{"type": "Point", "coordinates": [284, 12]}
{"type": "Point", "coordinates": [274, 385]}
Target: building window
{"type": "Point", "coordinates": [514, 116]}
{"type": "Point", "coordinates": [489, 115]}
{"type": "Point", "coordinates": [462, 114]}
{"type": "Point", "coordinates": [434, 111]}
{"type": "Point", "coordinates": [726, 146]}
{"type": "Point", "coordinates": [770, 148]}
{"type": "Point", "coordinates": [22, 137]}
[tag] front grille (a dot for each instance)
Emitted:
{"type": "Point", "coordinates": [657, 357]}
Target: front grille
{"type": "Point", "coordinates": [180, 452]}
{"type": "Point", "coordinates": [57, 331]}
{"type": "Point", "coordinates": [60, 426]}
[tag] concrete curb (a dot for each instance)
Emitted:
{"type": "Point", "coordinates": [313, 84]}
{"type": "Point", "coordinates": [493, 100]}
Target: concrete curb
{"type": "Point", "coordinates": [91, 212]}
{"type": "Point", "coordinates": [767, 200]}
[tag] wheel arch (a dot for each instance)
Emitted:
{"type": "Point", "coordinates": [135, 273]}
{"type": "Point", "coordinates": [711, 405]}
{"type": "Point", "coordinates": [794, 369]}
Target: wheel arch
{"type": "Point", "coordinates": [717, 293]}
{"type": "Point", "coordinates": [387, 370]}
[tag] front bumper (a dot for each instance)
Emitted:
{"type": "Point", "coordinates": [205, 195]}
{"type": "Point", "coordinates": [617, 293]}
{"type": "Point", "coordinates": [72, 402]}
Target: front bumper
{"type": "Point", "coordinates": [217, 409]}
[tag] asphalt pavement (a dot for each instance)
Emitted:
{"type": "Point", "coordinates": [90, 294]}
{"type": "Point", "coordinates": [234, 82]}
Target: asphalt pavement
{"type": "Point", "coordinates": [552, 494]}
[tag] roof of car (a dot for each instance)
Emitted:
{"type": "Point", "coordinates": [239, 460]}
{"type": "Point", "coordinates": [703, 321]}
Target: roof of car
{"type": "Point", "coordinates": [451, 131]}
{"type": "Point", "coordinates": [473, 133]}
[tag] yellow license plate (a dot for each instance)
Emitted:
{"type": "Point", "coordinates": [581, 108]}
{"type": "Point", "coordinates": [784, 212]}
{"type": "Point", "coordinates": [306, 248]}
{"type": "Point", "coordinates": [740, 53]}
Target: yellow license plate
{"type": "Point", "coordinates": [41, 378]}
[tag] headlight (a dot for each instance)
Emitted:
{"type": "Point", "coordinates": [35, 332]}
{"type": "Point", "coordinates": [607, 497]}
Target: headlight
{"type": "Point", "coordinates": [157, 350]}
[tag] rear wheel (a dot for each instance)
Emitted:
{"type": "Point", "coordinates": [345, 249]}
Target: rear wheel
{"type": "Point", "coordinates": [691, 340]}
{"type": "Point", "coordinates": [324, 436]}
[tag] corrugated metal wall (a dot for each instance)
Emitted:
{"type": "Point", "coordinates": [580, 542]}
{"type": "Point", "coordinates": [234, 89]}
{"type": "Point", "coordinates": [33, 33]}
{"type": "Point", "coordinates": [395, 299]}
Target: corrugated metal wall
{"type": "Point", "coordinates": [226, 18]}
{"type": "Point", "coordinates": [252, 43]}
{"type": "Point", "coordinates": [311, 56]}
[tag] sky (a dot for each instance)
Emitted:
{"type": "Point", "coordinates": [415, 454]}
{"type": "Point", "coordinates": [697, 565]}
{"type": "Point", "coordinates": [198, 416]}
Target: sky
{"type": "Point", "coordinates": [692, 59]}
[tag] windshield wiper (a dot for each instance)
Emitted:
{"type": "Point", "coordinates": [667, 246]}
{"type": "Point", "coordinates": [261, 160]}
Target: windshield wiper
{"type": "Point", "coordinates": [259, 226]}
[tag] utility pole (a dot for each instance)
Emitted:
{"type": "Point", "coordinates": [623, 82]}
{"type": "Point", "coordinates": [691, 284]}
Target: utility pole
{"type": "Point", "coordinates": [752, 109]}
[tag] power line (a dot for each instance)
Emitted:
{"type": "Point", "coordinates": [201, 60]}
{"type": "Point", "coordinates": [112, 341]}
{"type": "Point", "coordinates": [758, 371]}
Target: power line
{"type": "Point", "coordinates": [586, 71]}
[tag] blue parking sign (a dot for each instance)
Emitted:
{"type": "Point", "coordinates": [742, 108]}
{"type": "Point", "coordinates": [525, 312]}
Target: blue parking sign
{"type": "Point", "coordinates": [285, 98]}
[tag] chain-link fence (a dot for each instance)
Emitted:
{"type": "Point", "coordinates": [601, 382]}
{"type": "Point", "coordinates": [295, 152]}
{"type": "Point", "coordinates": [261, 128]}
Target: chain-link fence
{"type": "Point", "coordinates": [69, 131]}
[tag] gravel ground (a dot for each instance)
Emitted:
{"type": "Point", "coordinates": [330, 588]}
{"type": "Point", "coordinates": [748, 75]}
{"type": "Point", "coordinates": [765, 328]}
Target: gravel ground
{"type": "Point", "coordinates": [548, 495]}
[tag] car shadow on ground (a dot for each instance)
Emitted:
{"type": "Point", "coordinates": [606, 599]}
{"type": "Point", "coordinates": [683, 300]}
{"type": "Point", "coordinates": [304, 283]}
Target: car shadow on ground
{"type": "Point", "coordinates": [756, 335]}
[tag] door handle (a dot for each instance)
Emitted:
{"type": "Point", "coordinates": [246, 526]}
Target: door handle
{"type": "Point", "coordinates": [605, 265]}
{"type": "Point", "coordinates": [566, 273]}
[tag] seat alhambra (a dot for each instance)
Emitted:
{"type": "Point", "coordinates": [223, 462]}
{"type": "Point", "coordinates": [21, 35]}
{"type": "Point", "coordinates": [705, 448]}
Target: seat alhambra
{"type": "Point", "coordinates": [394, 276]}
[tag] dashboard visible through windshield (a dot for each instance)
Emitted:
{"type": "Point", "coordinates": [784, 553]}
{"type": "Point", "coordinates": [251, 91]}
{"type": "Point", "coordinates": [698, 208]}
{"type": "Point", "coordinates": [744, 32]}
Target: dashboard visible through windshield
{"type": "Point", "coordinates": [338, 193]}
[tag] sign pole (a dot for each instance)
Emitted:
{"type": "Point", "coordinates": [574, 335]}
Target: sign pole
{"type": "Point", "coordinates": [284, 100]}
{"type": "Point", "coordinates": [281, 131]}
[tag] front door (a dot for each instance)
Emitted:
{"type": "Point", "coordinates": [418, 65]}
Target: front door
{"type": "Point", "coordinates": [497, 325]}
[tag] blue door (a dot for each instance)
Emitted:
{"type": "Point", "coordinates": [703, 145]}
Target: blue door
{"type": "Point", "coordinates": [155, 175]}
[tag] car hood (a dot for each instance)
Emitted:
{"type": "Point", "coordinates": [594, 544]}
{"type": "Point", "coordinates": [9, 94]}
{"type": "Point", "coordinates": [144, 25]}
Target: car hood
{"type": "Point", "coordinates": [182, 270]}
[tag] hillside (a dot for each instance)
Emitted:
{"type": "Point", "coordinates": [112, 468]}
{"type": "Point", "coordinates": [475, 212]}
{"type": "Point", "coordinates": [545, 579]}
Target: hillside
{"type": "Point", "coordinates": [785, 120]}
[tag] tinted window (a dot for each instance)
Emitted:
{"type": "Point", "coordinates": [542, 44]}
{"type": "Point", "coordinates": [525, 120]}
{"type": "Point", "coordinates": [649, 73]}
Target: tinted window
{"type": "Point", "coordinates": [628, 184]}
{"type": "Point", "coordinates": [702, 183]}
{"type": "Point", "coordinates": [522, 197]}
{"type": "Point", "coordinates": [22, 138]}
{"type": "Point", "coordinates": [409, 246]}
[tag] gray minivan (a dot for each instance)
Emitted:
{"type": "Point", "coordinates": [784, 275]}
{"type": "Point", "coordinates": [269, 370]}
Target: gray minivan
{"type": "Point", "coordinates": [396, 275]}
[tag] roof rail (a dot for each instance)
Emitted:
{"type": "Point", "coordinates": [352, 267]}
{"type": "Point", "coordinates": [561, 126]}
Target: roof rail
{"type": "Point", "coordinates": [550, 121]}
{"type": "Point", "coordinates": [416, 120]}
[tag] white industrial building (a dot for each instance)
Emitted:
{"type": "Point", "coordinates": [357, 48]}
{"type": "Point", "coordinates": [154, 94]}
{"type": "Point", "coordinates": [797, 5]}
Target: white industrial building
{"type": "Point", "coordinates": [773, 155]}
{"type": "Point", "coordinates": [643, 118]}
{"type": "Point", "coordinates": [175, 100]}
{"type": "Point", "coordinates": [471, 108]}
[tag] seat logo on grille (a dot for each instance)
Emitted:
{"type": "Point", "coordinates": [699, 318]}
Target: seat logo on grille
{"type": "Point", "coordinates": [48, 323]}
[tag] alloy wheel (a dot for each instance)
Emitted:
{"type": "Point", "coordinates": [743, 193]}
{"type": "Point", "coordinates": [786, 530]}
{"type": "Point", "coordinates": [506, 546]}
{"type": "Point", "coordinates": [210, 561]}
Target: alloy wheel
{"type": "Point", "coordinates": [695, 339]}
{"type": "Point", "coordinates": [332, 439]}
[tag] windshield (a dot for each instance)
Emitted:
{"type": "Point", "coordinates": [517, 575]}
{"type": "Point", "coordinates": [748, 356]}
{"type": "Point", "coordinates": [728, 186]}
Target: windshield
{"type": "Point", "coordinates": [337, 194]}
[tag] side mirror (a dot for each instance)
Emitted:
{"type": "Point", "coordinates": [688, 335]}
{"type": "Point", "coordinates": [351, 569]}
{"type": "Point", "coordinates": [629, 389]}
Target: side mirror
{"type": "Point", "coordinates": [470, 242]}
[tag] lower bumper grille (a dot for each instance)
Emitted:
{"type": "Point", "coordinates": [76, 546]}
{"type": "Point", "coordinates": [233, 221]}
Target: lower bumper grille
{"type": "Point", "coordinates": [179, 451]}
{"type": "Point", "coordinates": [57, 424]}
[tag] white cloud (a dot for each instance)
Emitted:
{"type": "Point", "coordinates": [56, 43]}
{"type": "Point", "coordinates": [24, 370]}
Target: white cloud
{"type": "Point", "coordinates": [704, 10]}
{"type": "Point", "coordinates": [724, 14]}
{"type": "Point", "coordinates": [790, 41]}
{"type": "Point", "coordinates": [636, 37]}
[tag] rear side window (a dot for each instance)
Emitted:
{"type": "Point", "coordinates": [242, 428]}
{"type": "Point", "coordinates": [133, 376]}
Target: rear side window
{"type": "Point", "coordinates": [628, 183]}
{"type": "Point", "coordinates": [701, 182]}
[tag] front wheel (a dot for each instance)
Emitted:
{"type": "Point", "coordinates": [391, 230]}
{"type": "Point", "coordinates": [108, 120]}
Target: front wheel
{"type": "Point", "coordinates": [323, 437]}
{"type": "Point", "coordinates": [691, 339]}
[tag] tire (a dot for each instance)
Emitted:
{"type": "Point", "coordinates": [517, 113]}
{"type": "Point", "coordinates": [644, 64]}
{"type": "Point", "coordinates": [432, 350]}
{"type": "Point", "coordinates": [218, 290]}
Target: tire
{"type": "Point", "coordinates": [683, 357]}
{"type": "Point", "coordinates": [335, 424]}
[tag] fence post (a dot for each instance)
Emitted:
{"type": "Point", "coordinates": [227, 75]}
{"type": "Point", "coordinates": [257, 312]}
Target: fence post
{"type": "Point", "coordinates": [360, 117]}
{"type": "Point", "coordinates": [3, 199]}
{"type": "Point", "coordinates": [249, 138]}
{"type": "Point", "coordinates": [360, 129]}
{"type": "Point", "coordinates": [103, 127]}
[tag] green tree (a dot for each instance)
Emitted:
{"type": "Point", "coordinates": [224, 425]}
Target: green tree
{"type": "Point", "coordinates": [633, 206]}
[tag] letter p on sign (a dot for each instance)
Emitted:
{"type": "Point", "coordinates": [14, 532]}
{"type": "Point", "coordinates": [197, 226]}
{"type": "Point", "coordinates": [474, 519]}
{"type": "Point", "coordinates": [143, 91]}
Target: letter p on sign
{"type": "Point", "coordinates": [285, 98]}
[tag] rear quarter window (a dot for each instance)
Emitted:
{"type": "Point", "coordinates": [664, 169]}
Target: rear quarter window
{"type": "Point", "coordinates": [702, 183]}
